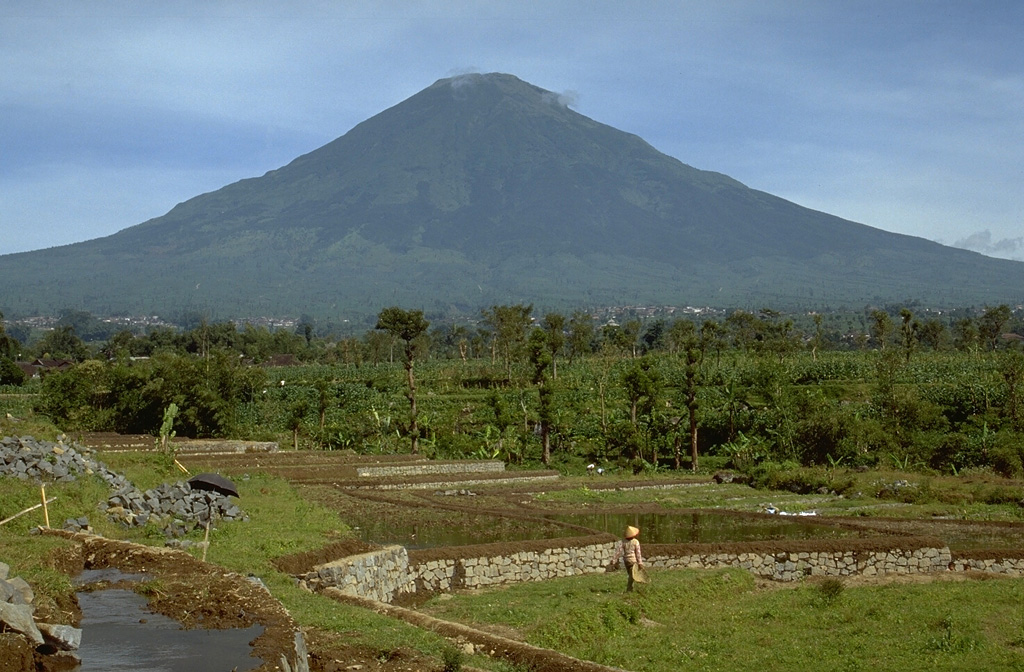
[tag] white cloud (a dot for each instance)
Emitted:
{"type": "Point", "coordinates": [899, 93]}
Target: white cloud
{"type": "Point", "coordinates": [981, 241]}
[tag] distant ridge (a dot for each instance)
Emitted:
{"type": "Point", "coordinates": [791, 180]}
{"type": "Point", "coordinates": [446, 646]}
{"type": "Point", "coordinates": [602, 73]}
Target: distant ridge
{"type": "Point", "coordinates": [483, 190]}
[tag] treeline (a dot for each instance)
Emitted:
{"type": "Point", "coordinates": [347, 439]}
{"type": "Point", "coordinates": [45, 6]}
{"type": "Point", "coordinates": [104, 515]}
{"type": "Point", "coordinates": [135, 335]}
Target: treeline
{"type": "Point", "coordinates": [748, 390]}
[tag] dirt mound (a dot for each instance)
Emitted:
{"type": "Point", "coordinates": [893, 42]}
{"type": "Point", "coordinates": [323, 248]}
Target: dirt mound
{"type": "Point", "coordinates": [300, 563]}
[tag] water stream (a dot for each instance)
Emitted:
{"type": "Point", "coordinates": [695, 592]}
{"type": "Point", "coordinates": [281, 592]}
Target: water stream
{"type": "Point", "coordinates": [120, 634]}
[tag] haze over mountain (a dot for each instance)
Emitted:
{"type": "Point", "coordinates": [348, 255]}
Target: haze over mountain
{"type": "Point", "coordinates": [482, 190]}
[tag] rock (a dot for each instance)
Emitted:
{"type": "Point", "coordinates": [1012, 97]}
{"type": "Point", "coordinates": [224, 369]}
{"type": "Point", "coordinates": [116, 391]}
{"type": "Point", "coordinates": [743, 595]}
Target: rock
{"type": "Point", "coordinates": [63, 637]}
{"type": "Point", "coordinates": [18, 617]}
{"type": "Point", "coordinates": [22, 591]}
{"type": "Point", "coordinates": [5, 570]}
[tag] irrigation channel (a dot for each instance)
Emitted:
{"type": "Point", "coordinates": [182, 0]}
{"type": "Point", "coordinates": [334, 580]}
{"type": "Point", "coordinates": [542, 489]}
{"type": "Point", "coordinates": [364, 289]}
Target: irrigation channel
{"type": "Point", "coordinates": [120, 634]}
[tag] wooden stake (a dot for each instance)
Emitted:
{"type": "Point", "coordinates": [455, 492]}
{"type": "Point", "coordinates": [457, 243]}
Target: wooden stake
{"type": "Point", "coordinates": [206, 538]}
{"type": "Point", "coordinates": [46, 510]}
{"type": "Point", "coordinates": [22, 513]}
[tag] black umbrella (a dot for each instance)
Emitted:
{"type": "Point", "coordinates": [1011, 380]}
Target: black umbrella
{"type": "Point", "coordinates": [214, 482]}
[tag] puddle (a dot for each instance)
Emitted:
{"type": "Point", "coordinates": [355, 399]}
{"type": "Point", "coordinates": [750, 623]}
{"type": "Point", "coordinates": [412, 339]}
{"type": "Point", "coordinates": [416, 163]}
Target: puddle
{"type": "Point", "coordinates": [707, 527]}
{"type": "Point", "coordinates": [456, 532]}
{"type": "Point", "coordinates": [120, 634]}
{"type": "Point", "coordinates": [658, 528]}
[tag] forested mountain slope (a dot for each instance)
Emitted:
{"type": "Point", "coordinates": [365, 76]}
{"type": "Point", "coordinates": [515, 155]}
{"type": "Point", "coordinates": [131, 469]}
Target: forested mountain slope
{"type": "Point", "coordinates": [482, 190]}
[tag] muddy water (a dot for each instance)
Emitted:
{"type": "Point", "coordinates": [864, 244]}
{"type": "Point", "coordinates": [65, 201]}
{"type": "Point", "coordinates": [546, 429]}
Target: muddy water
{"type": "Point", "coordinates": [119, 633]}
{"type": "Point", "coordinates": [706, 527]}
{"type": "Point", "coordinates": [658, 528]}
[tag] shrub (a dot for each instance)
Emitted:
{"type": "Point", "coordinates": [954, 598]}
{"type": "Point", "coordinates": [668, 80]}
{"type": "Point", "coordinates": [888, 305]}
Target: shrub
{"type": "Point", "coordinates": [830, 589]}
{"type": "Point", "coordinates": [451, 657]}
{"type": "Point", "coordinates": [10, 374]}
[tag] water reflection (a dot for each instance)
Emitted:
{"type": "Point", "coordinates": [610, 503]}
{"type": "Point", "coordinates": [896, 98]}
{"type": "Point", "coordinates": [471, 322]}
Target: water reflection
{"type": "Point", "coordinates": [705, 527]}
{"type": "Point", "coordinates": [119, 634]}
{"type": "Point", "coordinates": [658, 528]}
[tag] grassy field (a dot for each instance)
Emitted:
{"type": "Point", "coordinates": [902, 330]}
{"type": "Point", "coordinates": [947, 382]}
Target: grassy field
{"type": "Point", "coordinates": [718, 620]}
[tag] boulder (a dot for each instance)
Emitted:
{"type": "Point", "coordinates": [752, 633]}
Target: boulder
{"type": "Point", "coordinates": [18, 617]}
{"type": "Point", "coordinates": [61, 637]}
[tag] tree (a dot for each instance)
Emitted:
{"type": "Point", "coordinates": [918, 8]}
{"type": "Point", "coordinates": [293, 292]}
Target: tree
{"type": "Point", "coordinates": [508, 326]}
{"type": "Point", "coordinates": [554, 330]}
{"type": "Point", "coordinates": [1012, 369]}
{"type": "Point", "coordinates": [965, 335]}
{"type": "Point", "coordinates": [991, 323]}
{"type": "Point", "coordinates": [818, 337]}
{"type": "Point", "coordinates": [305, 327]}
{"type": "Point", "coordinates": [63, 343]}
{"type": "Point", "coordinates": [679, 334]}
{"type": "Point", "coordinates": [932, 334]}
{"type": "Point", "coordinates": [642, 384]}
{"type": "Point", "coordinates": [653, 337]}
{"type": "Point", "coordinates": [540, 357]}
{"type": "Point", "coordinates": [881, 327]}
{"type": "Point", "coordinates": [909, 333]}
{"type": "Point", "coordinates": [745, 328]}
{"type": "Point", "coordinates": [9, 346]}
{"type": "Point", "coordinates": [296, 416]}
{"type": "Point", "coordinates": [712, 335]}
{"type": "Point", "coordinates": [690, 388]}
{"type": "Point", "coordinates": [581, 333]}
{"type": "Point", "coordinates": [630, 333]}
{"type": "Point", "coordinates": [378, 346]}
{"type": "Point", "coordinates": [409, 327]}
{"type": "Point", "coordinates": [10, 374]}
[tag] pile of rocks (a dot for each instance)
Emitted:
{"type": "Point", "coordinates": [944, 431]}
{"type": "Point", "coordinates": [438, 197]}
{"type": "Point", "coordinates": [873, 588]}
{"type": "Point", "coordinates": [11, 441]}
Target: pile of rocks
{"type": "Point", "coordinates": [177, 508]}
{"type": "Point", "coordinates": [26, 458]}
{"type": "Point", "coordinates": [35, 639]}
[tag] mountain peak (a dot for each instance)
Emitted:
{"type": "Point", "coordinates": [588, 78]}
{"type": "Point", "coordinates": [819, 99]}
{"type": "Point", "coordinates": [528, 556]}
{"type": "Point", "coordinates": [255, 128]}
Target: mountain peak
{"type": "Point", "coordinates": [485, 189]}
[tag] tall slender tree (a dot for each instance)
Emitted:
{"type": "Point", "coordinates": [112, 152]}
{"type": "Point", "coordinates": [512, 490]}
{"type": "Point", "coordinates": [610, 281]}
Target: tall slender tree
{"type": "Point", "coordinates": [409, 327]}
{"type": "Point", "coordinates": [554, 330]}
{"type": "Point", "coordinates": [540, 357]}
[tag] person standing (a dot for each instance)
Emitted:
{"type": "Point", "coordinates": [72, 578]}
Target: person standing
{"type": "Point", "coordinates": [629, 550]}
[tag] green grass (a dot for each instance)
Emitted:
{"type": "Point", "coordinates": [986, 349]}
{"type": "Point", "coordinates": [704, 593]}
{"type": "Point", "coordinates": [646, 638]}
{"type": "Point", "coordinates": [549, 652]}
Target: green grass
{"type": "Point", "coordinates": [721, 621]}
{"type": "Point", "coordinates": [717, 620]}
{"type": "Point", "coordinates": [930, 497]}
{"type": "Point", "coordinates": [281, 523]}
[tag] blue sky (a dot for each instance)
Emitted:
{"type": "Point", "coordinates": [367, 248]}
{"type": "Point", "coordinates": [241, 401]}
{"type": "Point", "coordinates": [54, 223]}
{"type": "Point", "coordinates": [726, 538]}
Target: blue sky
{"type": "Point", "coordinates": [907, 116]}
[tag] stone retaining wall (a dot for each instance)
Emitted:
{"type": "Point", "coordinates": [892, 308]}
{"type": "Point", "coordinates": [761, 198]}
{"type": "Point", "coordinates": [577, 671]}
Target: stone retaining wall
{"type": "Point", "coordinates": [792, 566]}
{"type": "Point", "coordinates": [385, 574]}
{"type": "Point", "coordinates": [434, 485]}
{"type": "Point", "coordinates": [1011, 566]}
{"type": "Point", "coordinates": [444, 574]}
{"type": "Point", "coordinates": [430, 468]}
{"type": "Point", "coordinates": [379, 575]}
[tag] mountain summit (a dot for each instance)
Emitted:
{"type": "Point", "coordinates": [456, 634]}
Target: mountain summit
{"type": "Point", "coordinates": [484, 189]}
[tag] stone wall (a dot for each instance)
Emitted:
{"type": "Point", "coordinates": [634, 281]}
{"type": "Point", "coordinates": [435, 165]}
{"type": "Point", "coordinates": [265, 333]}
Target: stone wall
{"type": "Point", "coordinates": [379, 575]}
{"type": "Point", "coordinates": [795, 565]}
{"type": "Point", "coordinates": [443, 574]}
{"type": "Point", "coordinates": [441, 483]}
{"type": "Point", "coordinates": [424, 468]}
{"type": "Point", "coordinates": [391, 572]}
